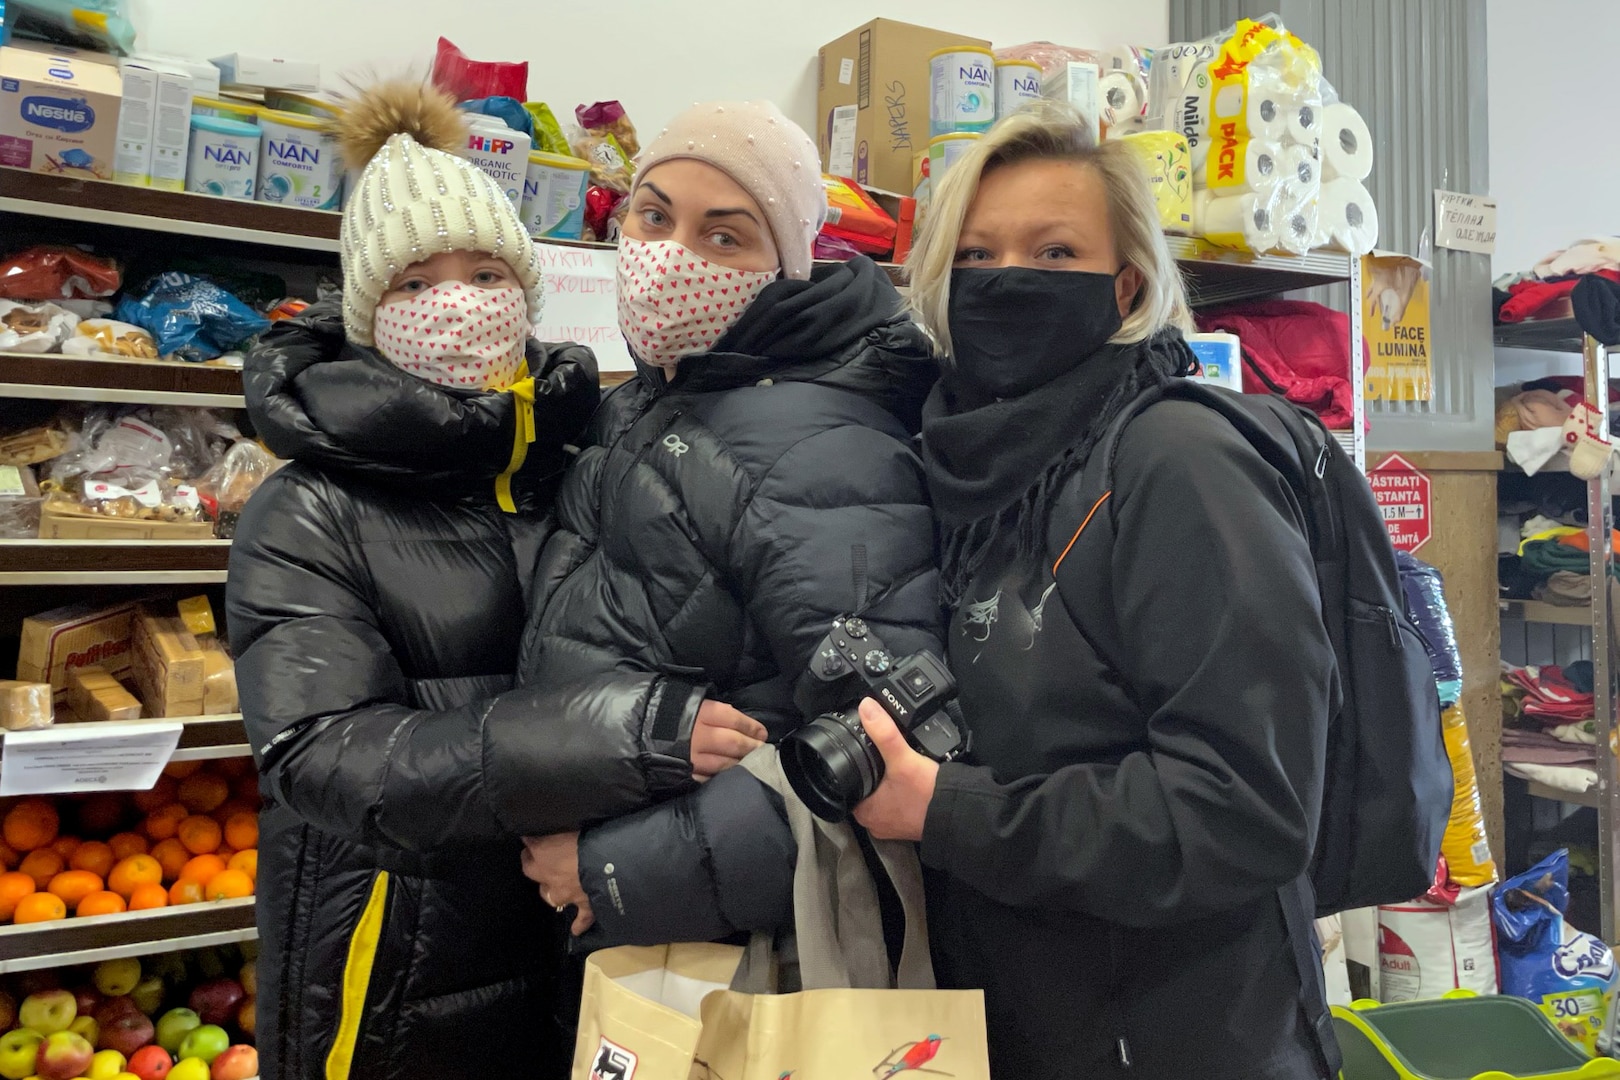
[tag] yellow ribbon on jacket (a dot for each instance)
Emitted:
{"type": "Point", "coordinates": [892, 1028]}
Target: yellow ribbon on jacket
{"type": "Point", "coordinates": [522, 393]}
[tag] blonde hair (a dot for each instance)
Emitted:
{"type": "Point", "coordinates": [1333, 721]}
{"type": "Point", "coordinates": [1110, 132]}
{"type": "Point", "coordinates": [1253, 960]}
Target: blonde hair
{"type": "Point", "coordinates": [1048, 131]}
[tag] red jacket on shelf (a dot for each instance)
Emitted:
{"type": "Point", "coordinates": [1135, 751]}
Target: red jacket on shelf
{"type": "Point", "coordinates": [1296, 348]}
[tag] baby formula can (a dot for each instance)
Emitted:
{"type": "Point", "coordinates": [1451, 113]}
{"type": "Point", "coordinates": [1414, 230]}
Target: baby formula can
{"type": "Point", "coordinates": [963, 90]}
{"type": "Point", "coordinates": [298, 163]}
{"type": "Point", "coordinates": [240, 111]}
{"type": "Point", "coordinates": [1018, 82]}
{"type": "Point", "coordinates": [554, 196]}
{"type": "Point", "coordinates": [944, 151]}
{"type": "Point", "coordinates": [224, 157]}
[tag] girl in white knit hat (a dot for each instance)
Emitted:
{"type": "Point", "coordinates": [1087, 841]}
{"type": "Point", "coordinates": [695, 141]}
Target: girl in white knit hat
{"type": "Point", "coordinates": [376, 601]}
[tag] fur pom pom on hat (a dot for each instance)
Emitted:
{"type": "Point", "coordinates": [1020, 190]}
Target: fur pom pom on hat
{"type": "Point", "coordinates": [418, 197]}
{"type": "Point", "coordinates": [768, 155]}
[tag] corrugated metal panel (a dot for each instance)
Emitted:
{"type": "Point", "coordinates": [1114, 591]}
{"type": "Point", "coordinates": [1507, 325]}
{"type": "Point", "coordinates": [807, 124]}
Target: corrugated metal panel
{"type": "Point", "coordinates": [1416, 71]}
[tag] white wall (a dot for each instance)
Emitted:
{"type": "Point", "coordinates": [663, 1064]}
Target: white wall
{"type": "Point", "coordinates": [656, 56]}
{"type": "Point", "coordinates": [1555, 153]}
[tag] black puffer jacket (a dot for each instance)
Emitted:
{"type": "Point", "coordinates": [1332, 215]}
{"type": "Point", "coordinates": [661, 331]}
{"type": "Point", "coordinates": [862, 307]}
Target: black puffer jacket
{"type": "Point", "coordinates": [376, 599]}
{"type": "Point", "coordinates": [708, 537]}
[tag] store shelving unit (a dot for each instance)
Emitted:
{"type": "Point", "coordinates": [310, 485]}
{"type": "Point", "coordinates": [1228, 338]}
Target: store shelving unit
{"type": "Point", "coordinates": [1564, 336]}
{"type": "Point", "coordinates": [134, 933]}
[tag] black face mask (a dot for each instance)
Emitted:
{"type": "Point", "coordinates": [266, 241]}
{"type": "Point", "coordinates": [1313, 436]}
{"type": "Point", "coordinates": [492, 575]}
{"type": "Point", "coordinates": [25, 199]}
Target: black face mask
{"type": "Point", "coordinates": [1014, 330]}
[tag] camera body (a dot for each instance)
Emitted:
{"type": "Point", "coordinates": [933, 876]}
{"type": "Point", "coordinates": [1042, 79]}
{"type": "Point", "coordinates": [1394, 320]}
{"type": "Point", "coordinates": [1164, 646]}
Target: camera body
{"type": "Point", "coordinates": [830, 762]}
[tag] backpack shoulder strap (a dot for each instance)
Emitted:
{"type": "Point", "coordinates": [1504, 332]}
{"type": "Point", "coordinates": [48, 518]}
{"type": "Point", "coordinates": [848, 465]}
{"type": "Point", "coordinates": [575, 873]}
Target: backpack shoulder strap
{"type": "Point", "coordinates": [1093, 486]}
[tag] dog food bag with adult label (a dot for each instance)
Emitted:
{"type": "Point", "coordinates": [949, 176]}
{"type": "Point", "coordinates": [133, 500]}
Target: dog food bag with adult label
{"type": "Point", "coordinates": [1571, 976]}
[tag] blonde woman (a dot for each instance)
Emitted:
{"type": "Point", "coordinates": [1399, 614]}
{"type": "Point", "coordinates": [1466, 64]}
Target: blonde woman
{"type": "Point", "coordinates": [1146, 673]}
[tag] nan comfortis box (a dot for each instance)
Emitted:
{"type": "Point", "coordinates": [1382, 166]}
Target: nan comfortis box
{"type": "Point", "coordinates": [59, 110]}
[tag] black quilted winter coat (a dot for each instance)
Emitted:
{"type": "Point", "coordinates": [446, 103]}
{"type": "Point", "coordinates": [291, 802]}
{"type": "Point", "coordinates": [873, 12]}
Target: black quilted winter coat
{"type": "Point", "coordinates": [376, 602]}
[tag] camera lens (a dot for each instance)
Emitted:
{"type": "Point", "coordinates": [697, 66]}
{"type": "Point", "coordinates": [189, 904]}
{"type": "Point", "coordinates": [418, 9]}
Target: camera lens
{"type": "Point", "coordinates": [831, 765]}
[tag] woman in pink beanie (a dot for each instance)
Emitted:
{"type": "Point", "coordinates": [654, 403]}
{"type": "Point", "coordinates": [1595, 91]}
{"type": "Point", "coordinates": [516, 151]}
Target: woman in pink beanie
{"type": "Point", "coordinates": [754, 482]}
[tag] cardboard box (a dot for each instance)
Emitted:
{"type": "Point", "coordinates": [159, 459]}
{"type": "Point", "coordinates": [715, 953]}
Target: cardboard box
{"type": "Point", "coordinates": [154, 126]}
{"type": "Point", "coordinates": [1078, 84]}
{"type": "Point", "coordinates": [61, 640]}
{"type": "Point", "coordinates": [59, 110]}
{"type": "Point", "coordinates": [170, 667]}
{"type": "Point", "coordinates": [58, 523]}
{"type": "Point", "coordinates": [872, 100]}
{"type": "Point", "coordinates": [242, 69]}
{"type": "Point", "coordinates": [94, 695]}
{"type": "Point", "coordinates": [1220, 360]}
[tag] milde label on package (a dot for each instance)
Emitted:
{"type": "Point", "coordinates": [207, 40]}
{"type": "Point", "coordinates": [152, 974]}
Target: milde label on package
{"type": "Point", "coordinates": [108, 756]}
{"type": "Point", "coordinates": [1465, 222]}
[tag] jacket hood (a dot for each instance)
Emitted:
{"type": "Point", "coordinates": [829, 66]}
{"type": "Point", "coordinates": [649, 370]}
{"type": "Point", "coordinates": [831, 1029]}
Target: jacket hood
{"type": "Point", "coordinates": [315, 398]}
{"type": "Point", "coordinates": [844, 327]}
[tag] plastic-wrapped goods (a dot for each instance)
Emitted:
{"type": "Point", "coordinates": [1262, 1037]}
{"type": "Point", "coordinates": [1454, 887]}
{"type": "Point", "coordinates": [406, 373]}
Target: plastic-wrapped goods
{"type": "Point", "coordinates": [34, 328]}
{"type": "Point", "coordinates": [1051, 58]}
{"type": "Point", "coordinates": [58, 273]}
{"type": "Point", "coordinates": [94, 695]}
{"type": "Point", "coordinates": [548, 134]}
{"type": "Point", "coordinates": [609, 118]}
{"type": "Point", "coordinates": [1427, 949]}
{"type": "Point", "coordinates": [1426, 607]}
{"type": "Point", "coordinates": [226, 488]}
{"type": "Point", "coordinates": [19, 503]}
{"type": "Point", "coordinates": [25, 706]}
{"type": "Point", "coordinates": [1347, 145]}
{"type": "Point", "coordinates": [1571, 976]}
{"type": "Point", "coordinates": [467, 80]}
{"type": "Point", "coordinates": [1466, 846]}
{"type": "Point", "coordinates": [854, 218]}
{"type": "Point", "coordinates": [109, 337]}
{"type": "Point", "coordinates": [98, 25]}
{"type": "Point", "coordinates": [191, 318]}
{"type": "Point", "coordinates": [1166, 160]}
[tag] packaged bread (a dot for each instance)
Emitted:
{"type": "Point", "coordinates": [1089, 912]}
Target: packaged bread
{"type": "Point", "coordinates": [84, 635]}
{"type": "Point", "coordinates": [33, 446]}
{"type": "Point", "coordinates": [219, 683]}
{"type": "Point", "coordinates": [169, 665]}
{"type": "Point", "coordinates": [95, 695]}
{"type": "Point", "coordinates": [25, 706]}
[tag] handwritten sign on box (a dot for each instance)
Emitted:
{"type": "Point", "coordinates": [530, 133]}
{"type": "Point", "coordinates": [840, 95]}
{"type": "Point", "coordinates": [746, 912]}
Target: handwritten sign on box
{"type": "Point", "coordinates": [108, 756]}
{"type": "Point", "coordinates": [582, 303]}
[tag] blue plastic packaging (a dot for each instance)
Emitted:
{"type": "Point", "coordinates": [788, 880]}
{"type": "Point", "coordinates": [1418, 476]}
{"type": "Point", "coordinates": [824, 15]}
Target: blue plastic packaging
{"type": "Point", "coordinates": [101, 25]}
{"type": "Point", "coordinates": [508, 111]}
{"type": "Point", "coordinates": [1426, 607]}
{"type": "Point", "coordinates": [190, 317]}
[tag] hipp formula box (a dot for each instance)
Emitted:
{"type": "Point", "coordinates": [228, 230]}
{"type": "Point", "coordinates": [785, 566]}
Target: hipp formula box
{"type": "Point", "coordinates": [502, 153]}
{"type": "Point", "coordinates": [59, 110]}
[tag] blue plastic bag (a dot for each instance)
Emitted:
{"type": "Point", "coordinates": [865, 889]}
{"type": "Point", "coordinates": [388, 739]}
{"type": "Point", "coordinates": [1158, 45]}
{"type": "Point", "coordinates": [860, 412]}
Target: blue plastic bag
{"type": "Point", "coordinates": [1426, 606]}
{"type": "Point", "coordinates": [508, 111]}
{"type": "Point", "coordinates": [190, 317]}
{"type": "Point", "coordinates": [1569, 975]}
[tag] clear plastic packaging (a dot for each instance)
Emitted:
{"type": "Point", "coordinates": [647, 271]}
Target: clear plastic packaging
{"type": "Point", "coordinates": [1051, 57]}
{"type": "Point", "coordinates": [102, 25]}
{"type": "Point", "coordinates": [609, 118]}
{"type": "Point", "coordinates": [109, 337]}
{"type": "Point", "coordinates": [226, 488]}
{"type": "Point", "coordinates": [34, 327]}
{"type": "Point", "coordinates": [19, 503]}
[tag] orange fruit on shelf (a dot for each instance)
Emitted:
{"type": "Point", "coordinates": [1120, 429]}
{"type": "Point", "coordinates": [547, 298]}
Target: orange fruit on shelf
{"type": "Point", "coordinates": [164, 792]}
{"type": "Point", "coordinates": [9, 856]}
{"type": "Point", "coordinates": [31, 824]}
{"type": "Point", "coordinates": [147, 897]}
{"type": "Point", "coordinates": [42, 865]}
{"type": "Point", "coordinates": [246, 789]}
{"type": "Point", "coordinates": [204, 793]}
{"type": "Point", "coordinates": [13, 887]}
{"type": "Point", "coordinates": [102, 813]}
{"type": "Point", "coordinates": [133, 872]}
{"type": "Point", "coordinates": [164, 822]}
{"type": "Point", "coordinates": [247, 862]}
{"type": "Point", "coordinates": [126, 844]}
{"type": "Point", "coordinates": [202, 869]}
{"type": "Point", "coordinates": [200, 834]}
{"type": "Point", "coordinates": [229, 885]}
{"type": "Point", "coordinates": [65, 846]}
{"type": "Point", "coordinates": [74, 885]}
{"type": "Point", "coordinates": [242, 831]}
{"type": "Point", "coordinates": [94, 856]}
{"type": "Point", "coordinates": [101, 903]}
{"type": "Point", "coordinates": [172, 856]}
{"type": "Point", "coordinates": [186, 891]}
{"type": "Point", "coordinates": [40, 907]}
{"type": "Point", "coordinates": [231, 809]}
{"type": "Point", "coordinates": [180, 770]}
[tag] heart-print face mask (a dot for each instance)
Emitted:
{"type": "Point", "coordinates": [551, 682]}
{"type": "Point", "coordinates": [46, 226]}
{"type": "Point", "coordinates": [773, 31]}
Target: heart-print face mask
{"type": "Point", "coordinates": [456, 335]}
{"type": "Point", "coordinates": [673, 303]}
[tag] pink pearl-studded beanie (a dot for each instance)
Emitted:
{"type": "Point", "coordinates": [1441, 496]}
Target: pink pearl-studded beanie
{"type": "Point", "coordinates": [768, 155]}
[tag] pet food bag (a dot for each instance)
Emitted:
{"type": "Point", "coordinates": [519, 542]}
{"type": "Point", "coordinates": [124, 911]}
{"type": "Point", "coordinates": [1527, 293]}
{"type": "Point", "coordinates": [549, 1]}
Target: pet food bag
{"type": "Point", "coordinates": [1428, 949]}
{"type": "Point", "coordinates": [1570, 975]}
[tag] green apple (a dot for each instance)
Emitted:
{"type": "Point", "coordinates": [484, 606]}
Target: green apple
{"type": "Point", "coordinates": [148, 995]}
{"type": "Point", "coordinates": [190, 1069]}
{"type": "Point", "coordinates": [116, 978]}
{"type": "Point", "coordinates": [86, 1028]}
{"type": "Point", "coordinates": [206, 1042]}
{"type": "Point", "coordinates": [174, 1026]}
{"type": "Point", "coordinates": [48, 1011]}
{"type": "Point", "coordinates": [106, 1065]}
{"type": "Point", "coordinates": [18, 1051]}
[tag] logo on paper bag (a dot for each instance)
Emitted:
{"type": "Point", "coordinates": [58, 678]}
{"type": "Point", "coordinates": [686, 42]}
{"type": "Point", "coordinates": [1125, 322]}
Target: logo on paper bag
{"type": "Point", "coordinates": [613, 1062]}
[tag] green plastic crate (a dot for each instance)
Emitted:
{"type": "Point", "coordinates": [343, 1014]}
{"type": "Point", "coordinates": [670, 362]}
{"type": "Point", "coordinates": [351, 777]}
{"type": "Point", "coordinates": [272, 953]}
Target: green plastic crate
{"type": "Point", "coordinates": [1460, 1037]}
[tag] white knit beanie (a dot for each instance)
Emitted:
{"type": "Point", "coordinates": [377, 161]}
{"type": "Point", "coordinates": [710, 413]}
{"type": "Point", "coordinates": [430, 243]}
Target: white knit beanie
{"type": "Point", "coordinates": [768, 155]}
{"type": "Point", "coordinates": [417, 198]}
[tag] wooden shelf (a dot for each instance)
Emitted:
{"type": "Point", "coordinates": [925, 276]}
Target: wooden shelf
{"type": "Point", "coordinates": [113, 562]}
{"type": "Point", "coordinates": [137, 382]}
{"type": "Point", "coordinates": [98, 202]}
{"type": "Point", "coordinates": [1545, 335]}
{"type": "Point", "coordinates": [75, 941]}
{"type": "Point", "coordinates": [1536, 611]}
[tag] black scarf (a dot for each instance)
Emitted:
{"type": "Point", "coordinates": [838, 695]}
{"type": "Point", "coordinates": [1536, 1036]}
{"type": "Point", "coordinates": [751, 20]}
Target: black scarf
{"type": "Point", "coordinates": [995, 466]}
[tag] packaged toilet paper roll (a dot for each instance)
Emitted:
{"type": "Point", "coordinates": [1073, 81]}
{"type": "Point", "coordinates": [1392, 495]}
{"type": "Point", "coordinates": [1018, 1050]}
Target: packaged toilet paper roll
{"type": "Point", "coordinates": [1299, 167]}
{"type": "Point", "coordinates": [1348, 216]}
{"type": "Point", "coordinates": [1240, 222]}
{"type": "Point", "coordinates": [1297, 227]}
{"type": "Point", "coordinates": [1163, 155]}
{"type": "Point", "coordinates": [1266, 114]}
{"type": "Point", "coordinates": [1347, 149]}
{"type": "Point", "coordinates": [1124, 94]}
{"type": "Point", "coordinates": [1304, 122]}
{"type": "Point", "coordinates": [1251, 166]}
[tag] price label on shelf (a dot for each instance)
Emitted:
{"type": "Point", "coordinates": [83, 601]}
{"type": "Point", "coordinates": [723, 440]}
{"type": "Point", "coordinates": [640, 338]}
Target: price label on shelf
{"type": "Point", "coordinates": [78, 758]}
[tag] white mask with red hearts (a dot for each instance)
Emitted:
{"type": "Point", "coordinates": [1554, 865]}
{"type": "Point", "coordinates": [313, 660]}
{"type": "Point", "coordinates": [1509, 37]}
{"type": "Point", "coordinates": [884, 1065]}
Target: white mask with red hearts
{"type": "Point", "coordinates": [673, 303]}
{"type": "Point", "coordinates": [456, 335]}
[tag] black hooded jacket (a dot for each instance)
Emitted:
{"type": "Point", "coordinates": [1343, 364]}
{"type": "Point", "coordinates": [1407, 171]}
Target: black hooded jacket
{"type": "Point", "coordinates": [707, 538]}
{"type": "Point", "coordinates": [376, 602]}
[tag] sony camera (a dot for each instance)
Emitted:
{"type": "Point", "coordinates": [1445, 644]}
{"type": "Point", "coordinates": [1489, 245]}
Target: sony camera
{"type": "Point", "coordinates": [830, 762]}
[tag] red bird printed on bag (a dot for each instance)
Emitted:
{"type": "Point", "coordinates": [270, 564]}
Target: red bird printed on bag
{"type": "Point", "coordinates": [915, 1056]}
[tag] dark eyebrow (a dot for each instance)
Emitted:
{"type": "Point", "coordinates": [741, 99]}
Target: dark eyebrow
{"type": "Point", "coordinates": [658, 191]}
{"type": "Point", "coordinates": [733, 212]}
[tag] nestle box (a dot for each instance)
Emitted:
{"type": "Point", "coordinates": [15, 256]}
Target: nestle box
{"type": "Point", "coordinates": [872, 100]}
{"type": "Point", "coordinates": [59, 110]}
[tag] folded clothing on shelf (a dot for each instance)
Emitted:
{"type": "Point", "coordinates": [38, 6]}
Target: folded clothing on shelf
{"type": "Point", "coordinates": [1537, 298]}
{"type": "Point", "coordinates": [1550, 695]}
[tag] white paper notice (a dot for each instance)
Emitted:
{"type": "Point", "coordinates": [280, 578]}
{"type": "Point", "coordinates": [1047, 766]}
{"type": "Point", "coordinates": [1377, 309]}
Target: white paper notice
{"type": "Point", "coordinates": [841, 149]}
{"type": "Point", "coordinates": [1465, 222]}
{"type": "Point", "coordinates": [582, 303]}
{"type": "Point", "coordinates": [87, 757]}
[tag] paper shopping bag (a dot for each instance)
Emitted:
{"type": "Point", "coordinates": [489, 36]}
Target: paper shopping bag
{"type": "Point", "coordinates": [638, 1016]}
